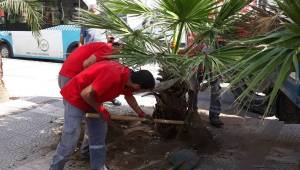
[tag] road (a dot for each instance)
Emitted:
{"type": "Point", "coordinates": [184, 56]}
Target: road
{"type": "Point", "coordinates": [25, 78]}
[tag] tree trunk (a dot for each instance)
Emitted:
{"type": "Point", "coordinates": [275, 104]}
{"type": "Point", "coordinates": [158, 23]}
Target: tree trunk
{"type": "Point", "coordinates": [171, 104]}
{"type": "Point", "coordinates": [3, 91]}
{"type": "Point", "coordinates": [174, 104]}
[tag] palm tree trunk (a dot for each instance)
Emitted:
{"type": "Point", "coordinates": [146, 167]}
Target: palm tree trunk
{"type": "Point", "coordinates": [170, 104]}
{"type": "Point", "coordinates": [173, 104]}
{"type": "Point", "coordinates": [3, 91]}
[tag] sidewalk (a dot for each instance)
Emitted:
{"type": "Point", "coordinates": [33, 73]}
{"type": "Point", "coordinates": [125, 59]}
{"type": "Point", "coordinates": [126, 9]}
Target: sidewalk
{"type": "Point", "coordinates": [39, 164]}
{"type": "Point", "coordinates": [27, 129]}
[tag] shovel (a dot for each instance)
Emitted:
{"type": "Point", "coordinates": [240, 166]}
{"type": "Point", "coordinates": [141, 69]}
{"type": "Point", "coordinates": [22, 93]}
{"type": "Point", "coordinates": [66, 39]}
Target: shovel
{"type": "Point", "coordinates": [133, 118]}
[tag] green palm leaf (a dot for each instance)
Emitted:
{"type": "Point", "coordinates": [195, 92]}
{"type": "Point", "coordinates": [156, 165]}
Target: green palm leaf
{"type": "Point", "coordinates": [281, 53]}
{"type": "Point", "coordinates": [30, 8]}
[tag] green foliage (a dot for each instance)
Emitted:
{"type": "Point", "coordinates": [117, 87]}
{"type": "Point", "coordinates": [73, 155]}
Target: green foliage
{"type": "Point", "coordinates": [279, 57]}
{"type": "Point", "coordinates": [29, 8]}
{"type": "Point", "coordinates": [166, 22]}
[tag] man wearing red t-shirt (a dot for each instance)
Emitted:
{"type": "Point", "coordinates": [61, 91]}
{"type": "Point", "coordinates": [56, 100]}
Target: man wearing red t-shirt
{"type": "Point", "coordinates": [81, 58]}
{"type": "Point", "coordinates": [86, 92]}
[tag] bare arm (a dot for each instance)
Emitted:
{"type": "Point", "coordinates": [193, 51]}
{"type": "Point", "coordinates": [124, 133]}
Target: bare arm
{"type": "Point", "coordinates": [81, 41]}
{"type": "Point", "coordinates": [88, 96]}
{"type": "Point", "coordinates": [133, 104]}
{"type": "Point", "coordinates": [89, 61]}
{"type": "Point", "coordinates": [93, 59]}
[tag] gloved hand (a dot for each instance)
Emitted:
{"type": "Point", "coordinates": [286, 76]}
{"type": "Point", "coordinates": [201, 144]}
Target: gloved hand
{"type": "Point", "coordinates": [104, 113]}
{"type": "Point", "coordinates": [141, 114]}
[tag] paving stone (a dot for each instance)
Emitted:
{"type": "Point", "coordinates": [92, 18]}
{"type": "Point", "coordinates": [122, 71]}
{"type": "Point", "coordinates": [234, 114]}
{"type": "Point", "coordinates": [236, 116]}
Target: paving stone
{"type": "Point", "coordinates": [14, 106]}
{"type": "Point", "coordinates": [41, 99]}
{"type": "Point", "coordinates": [290, 133]}
{"type": "Point", "coordinates": [23, 134]}
{"type": "Point", "coordinates": [54, 109]}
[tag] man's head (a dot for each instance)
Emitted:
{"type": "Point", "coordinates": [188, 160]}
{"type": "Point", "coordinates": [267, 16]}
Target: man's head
{"type": "Point", "coordinates": [93, 9]}
{"type": "Point", "coordinates": [141, 80]}
{"type": "Point", "coordinates": [116, 46]}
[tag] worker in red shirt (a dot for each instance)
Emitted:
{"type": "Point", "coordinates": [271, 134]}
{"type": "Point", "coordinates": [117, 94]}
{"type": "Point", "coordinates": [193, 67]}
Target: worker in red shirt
{"type": "Point", "coordinates": [78, 60]}
{"type": "Point", "coordinates": [86, 92]}
{"type": "Point", "coordinates": [83, 57]}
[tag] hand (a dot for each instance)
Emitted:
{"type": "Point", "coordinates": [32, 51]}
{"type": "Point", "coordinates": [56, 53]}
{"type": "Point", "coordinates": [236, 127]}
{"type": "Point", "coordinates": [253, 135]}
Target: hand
{"type": "Point", "coordinates": [89, 61]}
{"type": "Point", "coordinates": [104, 113]}
{"type": "Point", "coordinates": [141, 114]}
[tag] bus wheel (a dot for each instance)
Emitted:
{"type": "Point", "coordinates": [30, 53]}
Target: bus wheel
{"type": "Point", "coordinates": [71, 49]}
{"type": "Point", "coordinates": [5, 51]}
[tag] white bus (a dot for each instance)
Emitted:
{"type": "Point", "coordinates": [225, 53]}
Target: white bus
{"type": "Point", "coordinates": [58, 38]}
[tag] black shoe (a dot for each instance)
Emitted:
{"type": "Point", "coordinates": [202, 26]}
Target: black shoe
{"type": "Point", "coordinates": [216, 122]}
{"type": "Point", "coordinates": [116, 102]}
{"type": "Point", "coordinates": [85, 156]}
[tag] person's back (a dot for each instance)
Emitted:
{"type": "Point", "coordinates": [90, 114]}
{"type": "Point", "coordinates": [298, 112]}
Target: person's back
{"type": "Point", "coordinates": [108, 78]}
{"type": "Point", "coordinates": [74, 63]}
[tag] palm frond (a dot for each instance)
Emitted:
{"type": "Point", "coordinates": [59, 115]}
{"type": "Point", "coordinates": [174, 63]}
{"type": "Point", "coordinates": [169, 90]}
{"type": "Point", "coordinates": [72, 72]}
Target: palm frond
{"type": "Point", "coordinates": [228, 10]}
{"type": "Point", "coordinates": [279, 57]}
{"type": "Point", "coordinates": [182, 16]}
{"type": "Point", "coordinates": [132, 7]}
{"type": "Point", "coordinates": [107, 20]}
{"type": "Point", "coordinates": [29, 8]}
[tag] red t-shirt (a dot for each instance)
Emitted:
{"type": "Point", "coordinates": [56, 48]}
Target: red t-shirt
{"type": "Point", "coordinates": [108, 79]}
{"type": "Point", "coordinates": [74, 63]}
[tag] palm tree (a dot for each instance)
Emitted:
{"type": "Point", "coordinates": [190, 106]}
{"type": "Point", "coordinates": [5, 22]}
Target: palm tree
{"type": "Point", "coordinates": [29, 8]}
{"type": "Point", "coordinates": [159, 39]}
{"type": "Point", "coordinates": [277, 54]}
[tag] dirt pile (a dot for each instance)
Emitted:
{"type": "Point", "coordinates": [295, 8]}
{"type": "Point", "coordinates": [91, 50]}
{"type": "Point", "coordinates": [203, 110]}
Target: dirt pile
{"type": "Point", "coordinates": [139, 146]}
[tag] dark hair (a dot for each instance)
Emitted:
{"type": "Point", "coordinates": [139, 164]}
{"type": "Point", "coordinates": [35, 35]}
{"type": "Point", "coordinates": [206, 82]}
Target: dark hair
{"type": "Point", "coordinates": [116, 44]}
{"type": "Point", "coordinates": [144, 78]}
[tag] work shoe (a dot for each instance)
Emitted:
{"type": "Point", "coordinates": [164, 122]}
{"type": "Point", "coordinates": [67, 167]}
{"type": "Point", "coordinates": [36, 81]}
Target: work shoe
{"type": "Point", "coordinates": [216, 122]}
{"type": "Point", "coordinates": [85, 156]}
{"type": "Point", "coordinates": [116, 102]}
{"type": "Point", "coordinates": [103, 168]}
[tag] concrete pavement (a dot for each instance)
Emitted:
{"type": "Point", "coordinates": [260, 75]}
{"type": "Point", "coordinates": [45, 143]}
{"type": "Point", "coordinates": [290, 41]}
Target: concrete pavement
{"type": "Point", "coordinates": [28, 133]}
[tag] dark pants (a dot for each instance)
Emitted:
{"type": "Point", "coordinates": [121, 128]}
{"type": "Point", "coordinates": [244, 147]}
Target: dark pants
{"type": "Point", "coordinates": [215, 95]}
{"type": "Point", "coordinates": [97, 129]}
{"type": "Point", "coordinates": [94, 137]}
{"type": "Point", "coordinates": [215, 100]}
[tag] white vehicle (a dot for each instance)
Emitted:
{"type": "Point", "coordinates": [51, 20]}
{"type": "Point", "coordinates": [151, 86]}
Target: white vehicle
{"type": "Point", "coordinates": [57, 40]}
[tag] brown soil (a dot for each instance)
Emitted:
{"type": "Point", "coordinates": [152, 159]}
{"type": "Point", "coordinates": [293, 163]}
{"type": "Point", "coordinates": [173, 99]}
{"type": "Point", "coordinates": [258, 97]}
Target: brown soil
{"type": "Point", "coordinates": [138, 146]}
{"type": "Point", "coordinates": [243, 143]}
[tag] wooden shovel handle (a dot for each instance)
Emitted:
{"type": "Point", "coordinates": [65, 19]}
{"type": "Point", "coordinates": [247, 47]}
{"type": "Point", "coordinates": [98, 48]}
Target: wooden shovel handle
{"type": "Point", "coordinates": [132, 118]}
